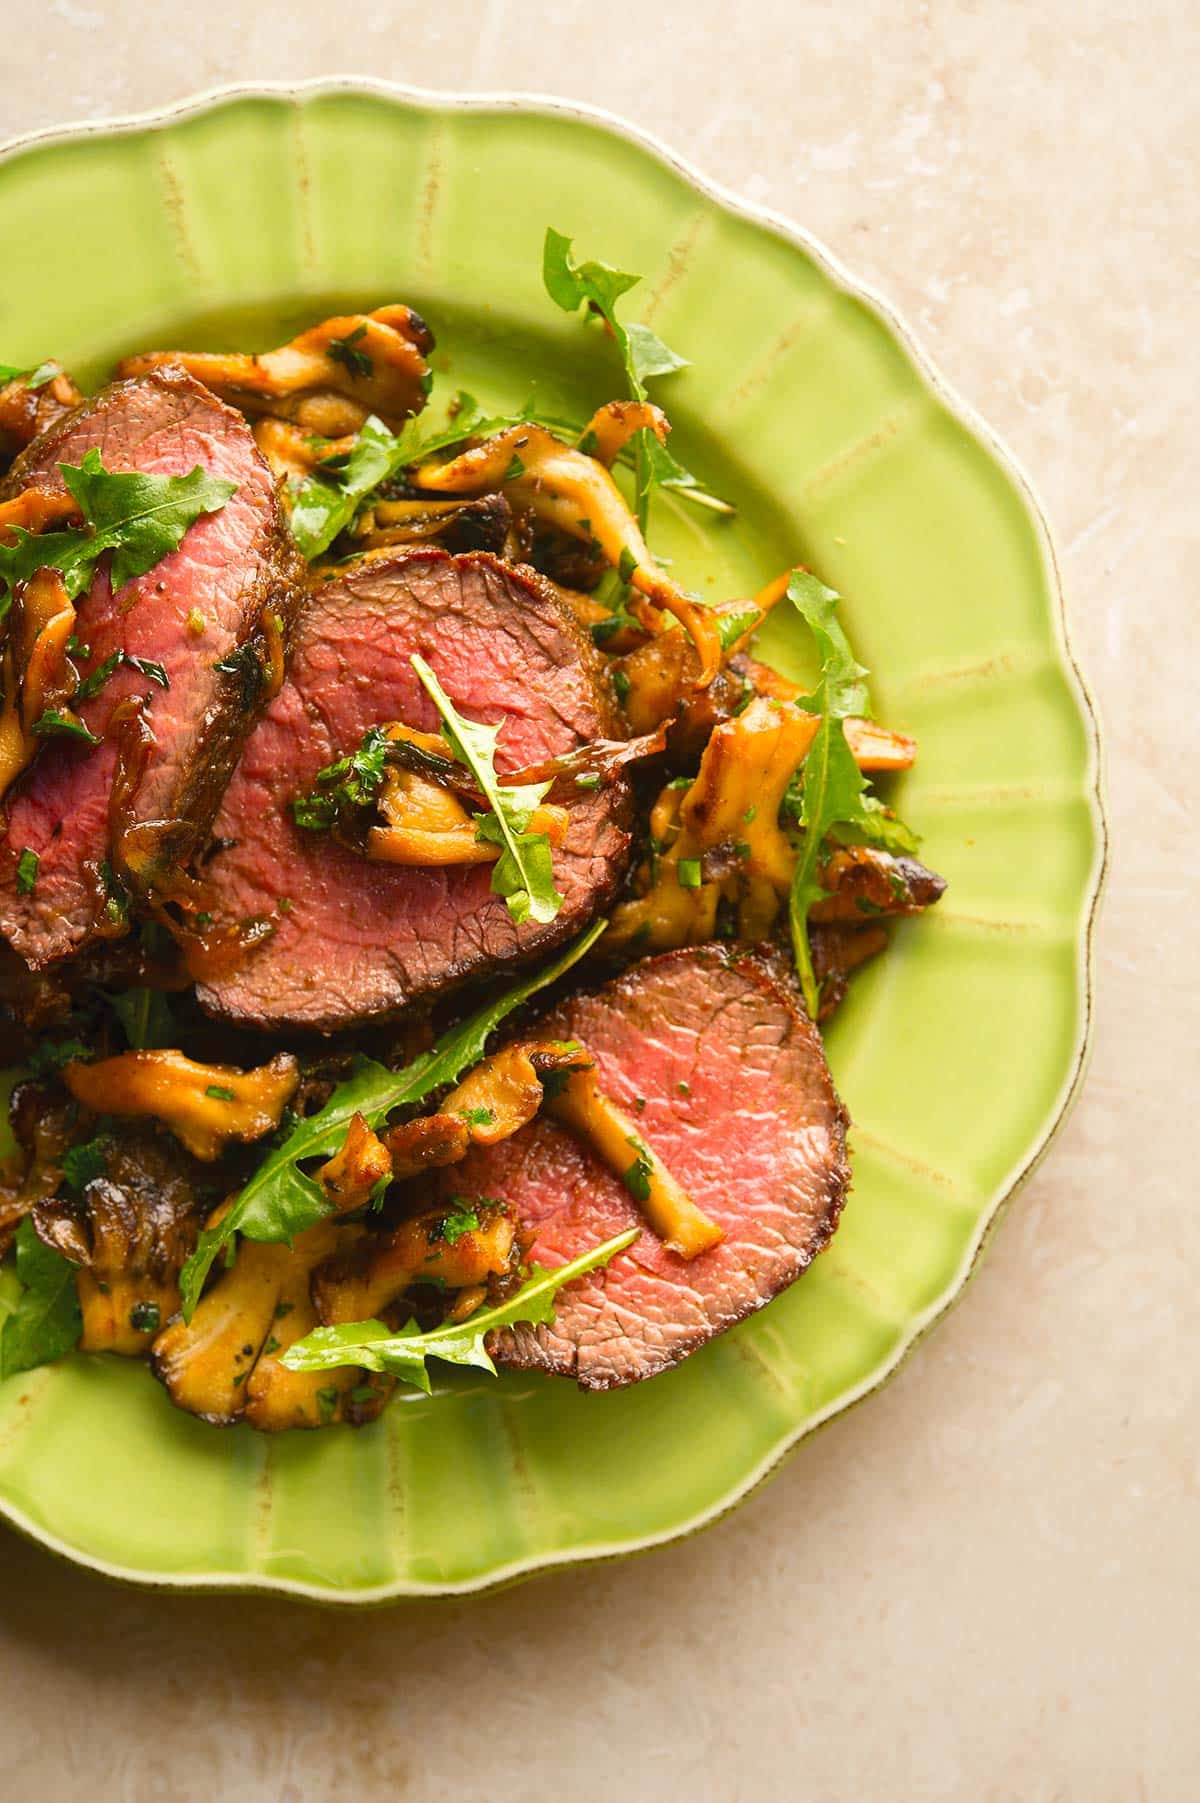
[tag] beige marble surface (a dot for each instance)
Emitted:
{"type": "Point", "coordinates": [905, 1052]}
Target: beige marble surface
{"type": "Point", "coordinates": [982, 1584]}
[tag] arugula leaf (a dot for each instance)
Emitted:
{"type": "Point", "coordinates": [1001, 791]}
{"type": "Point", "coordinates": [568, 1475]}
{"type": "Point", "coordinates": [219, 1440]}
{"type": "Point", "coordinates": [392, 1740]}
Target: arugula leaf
{"type": "Point", "coordinates": [524, 874]}
{"type": "Point", "coordinates": [139, 518]}
{"type": "Point", "coordinates": [145, 1015]}
{"type": "Point", "coordinates": [44, 373]}
{"type": "Point", "coordinates": [35, 378]}
{"type": "Point", "coordinates": [572, 285]}
{"type": "Point", "coordinates": [280, 1200]}
{"type": "Point", "coordinates": [325, 502]}
{"type": "Point", "coordinates": [45, 1321]}
{"type": "Point", "coordinates": [667, 472]}
{"type": "Point", "coordinates": [405, 1353]}
{"type": "Point", "coordinates": [832, 789]}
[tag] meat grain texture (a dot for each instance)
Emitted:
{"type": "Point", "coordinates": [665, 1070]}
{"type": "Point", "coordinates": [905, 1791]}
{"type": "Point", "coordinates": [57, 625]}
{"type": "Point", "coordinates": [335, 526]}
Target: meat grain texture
{"type": "Point", "coordinates": [191, 611]}
{"type": "Point", "coordinates": [354, 940]}
{"type": "Point", "coordinates": [727, 1080]}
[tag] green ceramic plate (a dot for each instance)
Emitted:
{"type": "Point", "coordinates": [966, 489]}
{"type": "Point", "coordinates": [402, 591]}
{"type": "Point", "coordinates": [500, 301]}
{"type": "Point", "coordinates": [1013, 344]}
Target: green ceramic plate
{"type": "Point", "coordinates": [240, 215]}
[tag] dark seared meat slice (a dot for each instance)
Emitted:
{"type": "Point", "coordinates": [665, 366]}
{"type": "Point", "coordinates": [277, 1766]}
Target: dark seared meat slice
{"type": "Point", "coordinates": [354, 940]}
{"type": "Point", "coordinates": [710, 1053]}
{"type": "Point", "coordinates": [233, 570]}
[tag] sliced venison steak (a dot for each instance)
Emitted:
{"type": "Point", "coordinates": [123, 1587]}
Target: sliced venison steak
{"type": "Point", "coordinates": [727, 1078]}
{"type": "Point", "coordinates": [354, 940]}
{"type": "Point", "coordinates": [232, 570]}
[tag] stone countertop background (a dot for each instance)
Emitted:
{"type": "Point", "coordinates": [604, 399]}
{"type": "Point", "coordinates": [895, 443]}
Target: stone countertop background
{"type": "Point", "coordinates": [982, 1584]}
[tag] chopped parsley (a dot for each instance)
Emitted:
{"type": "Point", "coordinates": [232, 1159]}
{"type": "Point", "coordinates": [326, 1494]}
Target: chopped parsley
{"type": "Point", "coordinates": [349, 782]}
{"type": "Point", "coordinates": [689, 873]}
{"type": "Point", "coordinates": [219, 1093]}
{"type": "Point", "coordinates": [478, 1117]}
{"type": "Point", "coordinates": [637, 1178]}
{"type": "Point", "coordinates": [454, 1226]}
{"type": "Point", "coordinates": [345, 351]}
{"type": "Point", "coordinates": [54, 723]}
{"type": "Point", "coordinates": [27, 871]}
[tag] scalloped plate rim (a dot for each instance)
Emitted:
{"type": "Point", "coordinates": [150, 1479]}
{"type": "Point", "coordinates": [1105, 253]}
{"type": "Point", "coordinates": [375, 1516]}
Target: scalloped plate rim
{"type": "Point", "coordinates": [515, 101]}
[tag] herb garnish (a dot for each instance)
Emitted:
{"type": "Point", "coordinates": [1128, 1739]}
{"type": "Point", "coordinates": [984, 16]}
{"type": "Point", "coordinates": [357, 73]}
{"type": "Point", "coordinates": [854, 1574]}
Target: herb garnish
{"type": "Point", "coordinates": [829, 792]}
{"type": "Point", "coordinates": [456, 1224]}
{"type": "Point", "coordinates": [281, 1200]}
{"type": "Point", "coordinates": [637, 1178]}
{"type": "Point", "coordinates": [345, 352]}
{"type": "Point", "coordinates": [139, 518]}
{"type": "Point", "coordinates": [349, 782]}
{"type": "Point", "coordinates": [524, 874]}
{"type": "Point", "coordinates": [219, 1092]}
{"type": "Point", "coordinates": [406, 1353]}
{"type": "Point", "coordinates": [55, 723]}
{"type": "Point", "coordinates": [145, 1015]}
{"type": "Point", "coordinates": [27, 871]}
{"type": "Point", "coordinates": [45, 1321]}
{"type": "Point", "coordinates": [85, 1162]}
{"type": "Point", "coordinates": [598, 287]}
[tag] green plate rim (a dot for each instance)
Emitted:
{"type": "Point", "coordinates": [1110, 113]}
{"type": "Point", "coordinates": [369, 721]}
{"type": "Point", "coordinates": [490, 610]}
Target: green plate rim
{"type": "Point", "coordinates": [785, 230]}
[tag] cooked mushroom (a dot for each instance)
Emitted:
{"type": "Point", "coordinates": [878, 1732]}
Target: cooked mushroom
{"type": "Point", "coordinates": [659, 681]}
{"type": "Point", "coordinates": [612, 426]}
{"type": "Point", "coordinates": [865, 880]}
{"type": "Point", "coordinates": [354, 1172]}
{"type": "Point", "coordinates": [44, 1127]}
{"type": "Point", "coordinates": [26, 411]}
{"type": "Point", "coordinates": [206, 1106]}
{"type": "Point", "coordinates": [427, 824]}
{"type": "Point", "coordinates": [614, 1137]}
{"type": "Point", "coordinates": [721, 838]}
{"type": "Point", "coordinates": [328, 379]}
{"type": "Point", "coordinates": [35, 669]}
{"type": "Point", "coordinates": [575, 493]}
{"type": "Point", "coordinates": [211, 1365]}
{"type": "Point", "coordinates": [482, 523]}
{"type": "Point", "coordinates": [456, 1250]}
{"type": "Point", "coordinates": [129, 1232]}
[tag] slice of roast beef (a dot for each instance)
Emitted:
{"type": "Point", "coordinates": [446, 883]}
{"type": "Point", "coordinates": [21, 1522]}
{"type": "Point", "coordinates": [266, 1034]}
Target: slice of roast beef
{"type": "Point", "coordinates": [727, 1079]}
{"type": "Point", "coordinates": [354, 940]}
{"type": "Point", "coordinates": [211, 601]}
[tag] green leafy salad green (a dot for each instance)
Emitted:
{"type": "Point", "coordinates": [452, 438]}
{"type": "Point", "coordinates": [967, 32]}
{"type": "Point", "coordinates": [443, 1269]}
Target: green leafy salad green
{"type": "Point", "coordinates": [325, 503]}
{"type": "Point", "coordinates": [829, 795]}
{"type": "Point", "coordinates": [281, 1199]}
{"type": "Point", "coordinates": [403, 1352]}
{"type": "Point", "coordinates": [139, 518]}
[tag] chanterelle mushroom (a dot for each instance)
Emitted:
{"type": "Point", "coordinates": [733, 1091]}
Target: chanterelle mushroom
{"type": "Point", "coordinates": [206, 1106]}
{"type": "Point", "coordinates": [328, 379]}
{"type": "Point", "coordinates": [566, 488]}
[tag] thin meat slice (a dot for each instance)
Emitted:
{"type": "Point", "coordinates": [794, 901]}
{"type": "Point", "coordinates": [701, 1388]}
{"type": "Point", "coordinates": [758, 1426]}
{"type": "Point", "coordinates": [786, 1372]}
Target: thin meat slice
{"type": "Point", "coordinates": [231, 584]}
{"type": "Point", "coordinates": [354, 940]}
{"type": "Point", "coordinates": [727, 1079]}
